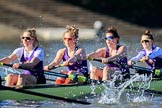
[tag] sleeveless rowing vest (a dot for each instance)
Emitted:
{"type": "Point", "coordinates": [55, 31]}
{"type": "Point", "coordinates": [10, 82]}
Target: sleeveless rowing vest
{"type": "Point", "coordinates": [79, 65]}
{"type": "Point", "coordinates": [38, 74]}
{"type": "Point", "coordinates": [122, 61]}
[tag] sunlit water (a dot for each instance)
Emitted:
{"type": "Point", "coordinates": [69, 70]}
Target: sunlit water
{"type": "Point", "coordinates": [113, 99]}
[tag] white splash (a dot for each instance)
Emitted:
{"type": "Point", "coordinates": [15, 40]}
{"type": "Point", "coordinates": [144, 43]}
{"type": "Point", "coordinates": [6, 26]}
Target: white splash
{"type": "Point", "coordinates": [113, 92]}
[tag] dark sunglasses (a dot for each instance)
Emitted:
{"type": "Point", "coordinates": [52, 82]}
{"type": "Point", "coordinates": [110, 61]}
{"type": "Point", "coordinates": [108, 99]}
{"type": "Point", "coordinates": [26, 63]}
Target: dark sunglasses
{"type": "Point", "coordinates": [68, 39]}
{"type": "Point", "coordinates": [27, 38]}
{"type": "Point", "coordinates": [145, 41]}
{"type": "Point", "coordinates": [109, 37]}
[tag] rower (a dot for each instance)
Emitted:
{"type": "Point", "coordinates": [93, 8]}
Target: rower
{"type": "Point", "coordinates": [112, 52]}
{"type": "Point", "coordinates": [151, 54]}
{"type": "Point", "coordinates": [72, 56]}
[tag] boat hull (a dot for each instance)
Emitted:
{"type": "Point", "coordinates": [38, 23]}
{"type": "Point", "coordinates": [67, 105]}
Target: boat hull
{"type": "Point", "coordinates": [69, 91]}
{"type": "Point", "coordinates": [63, 91]}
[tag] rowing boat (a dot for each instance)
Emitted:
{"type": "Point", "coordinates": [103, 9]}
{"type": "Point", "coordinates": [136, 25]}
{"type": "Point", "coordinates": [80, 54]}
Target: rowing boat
{"type": "Point", "coordinates": [72, 91]}
{"type": "Point", "coordinates": [64, 91]}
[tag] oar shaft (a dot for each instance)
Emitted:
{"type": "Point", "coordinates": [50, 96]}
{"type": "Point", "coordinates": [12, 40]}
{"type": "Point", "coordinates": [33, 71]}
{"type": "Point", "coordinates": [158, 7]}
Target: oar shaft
{"type": "Point", "coordinates": [142, 68]}
{"type": "Point", "coordinates": [56, 74]}
{"type": "Point", "coordinates": [54, 67]}
{"type": "Point", "coordinates": [3, 64]}
{"type": "Point", "coordinates": [99, 60]}
{"type": "Point", "coordinates": [72, 77]}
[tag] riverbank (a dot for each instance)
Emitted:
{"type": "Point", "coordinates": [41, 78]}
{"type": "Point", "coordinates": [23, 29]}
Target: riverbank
{"type": "Point", "coordinates": [53, 14]}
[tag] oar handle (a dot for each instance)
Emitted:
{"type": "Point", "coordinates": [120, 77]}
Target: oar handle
{"type": "Point", "coordinates": [93, 59]}
{"type": "Point", "coordinates": [100, 60]}
{"type": "Point", "coordinates": [54, 67]}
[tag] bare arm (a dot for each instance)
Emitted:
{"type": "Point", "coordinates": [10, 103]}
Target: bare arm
{"type": "Point", "coordinates": [9, 59]}
{"type": "Point", "coordinates": [99, 53]}
{"type": "Point", "coordinates": [56, 60]}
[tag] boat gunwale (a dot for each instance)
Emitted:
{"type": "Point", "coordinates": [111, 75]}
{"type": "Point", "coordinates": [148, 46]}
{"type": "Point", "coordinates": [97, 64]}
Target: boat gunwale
{"type": "Point", "coordinates": [39, 86]}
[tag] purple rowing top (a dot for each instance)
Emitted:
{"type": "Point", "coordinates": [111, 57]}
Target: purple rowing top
{"type": "Point", "coordinates": [25, 59]}
{"type": "Point", "coordinates": [79, 65]}
{"type": "Point", "coordinates": [121, 61]}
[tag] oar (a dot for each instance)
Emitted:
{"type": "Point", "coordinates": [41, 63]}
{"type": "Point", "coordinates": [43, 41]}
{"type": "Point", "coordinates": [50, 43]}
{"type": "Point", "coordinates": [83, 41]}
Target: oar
{"type": "Point", "coordinates": [73, 77]}
{"type": "Point", "coordinates": [93, 59]}
{"type": "Point", "coordinates": [100, 60]}
{"type": "Point", "coordinates": [76, 77]}
{"type": "Point", "coordinates": [54, 67]}
{"type": "Point", "coordinates": [44, 95]}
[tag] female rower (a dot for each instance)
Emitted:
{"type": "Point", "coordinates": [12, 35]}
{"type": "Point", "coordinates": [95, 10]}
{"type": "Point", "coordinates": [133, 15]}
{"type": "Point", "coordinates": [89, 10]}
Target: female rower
{"type": "Point", "coordinates": [150, 53]}
{"type": "Point", "coordinates": [113, 52]}
{"type": "Point", "coordinates": [30, 57]}
{"type": "Point", "coordinates": [73, 56]}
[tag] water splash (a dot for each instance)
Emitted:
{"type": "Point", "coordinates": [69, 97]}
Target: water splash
{"type": "Point", "coordinates": [113, 92]}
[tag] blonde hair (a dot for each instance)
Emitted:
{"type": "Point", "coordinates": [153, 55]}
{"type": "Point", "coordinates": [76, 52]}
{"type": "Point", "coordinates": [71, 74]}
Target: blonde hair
{"type": "Point", "coordinates": [73, 30]}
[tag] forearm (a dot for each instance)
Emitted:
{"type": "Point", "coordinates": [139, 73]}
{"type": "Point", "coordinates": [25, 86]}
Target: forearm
{"type": "Point", "coordinates": [6, 60]}
{"type": "Point", "coordinates": [95, 55]}
{"type": "Point", "coordinates": [54, 63]}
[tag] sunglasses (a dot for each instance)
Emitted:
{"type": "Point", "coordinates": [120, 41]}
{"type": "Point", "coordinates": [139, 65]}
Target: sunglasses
{"type": "Point", "coordinates": [27, 38]}
{"type": "Point", "coordinates": [145, 41]}
{"type": "Point", "coordinates": [68, 39]}
{"type": "Point", "coordinates": [109, 37]}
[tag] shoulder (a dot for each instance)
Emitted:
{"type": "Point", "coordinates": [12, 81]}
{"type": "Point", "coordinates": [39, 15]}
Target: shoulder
{"type": "Point", "coordinates": [121, 46]}
{"type": "Point", "coordinates": [143, 52]}
{"type": "Point", "coordinates": [101, 49]}
{"type": "Point", "coordinates": [39, 49]}
{"type": "Point", "coordinates": [62, 50]}
{"type": "Point", "coordinates": [80, 48]}
{"type": "Point", "coordinates": [18, 49]}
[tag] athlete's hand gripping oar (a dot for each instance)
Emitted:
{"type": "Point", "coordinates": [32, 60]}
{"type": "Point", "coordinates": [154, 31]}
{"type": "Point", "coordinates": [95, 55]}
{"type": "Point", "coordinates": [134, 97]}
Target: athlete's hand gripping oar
{"type": "Point", "coordinates": [78, 78]}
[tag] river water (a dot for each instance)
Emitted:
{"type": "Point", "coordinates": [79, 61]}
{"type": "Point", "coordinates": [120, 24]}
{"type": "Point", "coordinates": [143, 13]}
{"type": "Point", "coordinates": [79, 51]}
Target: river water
{"type": "Point", "coordinates": [51, 47]}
